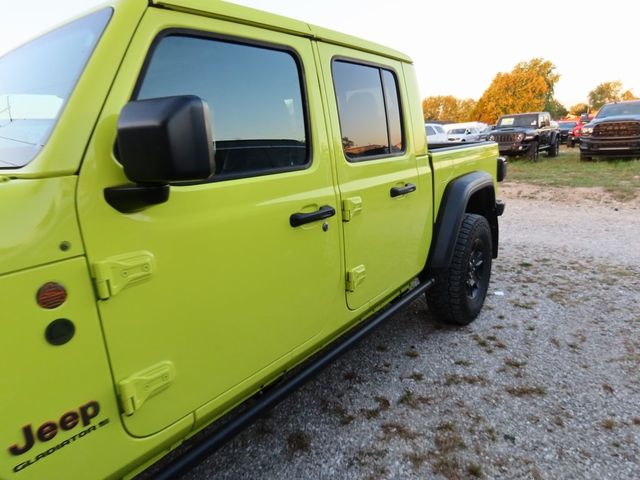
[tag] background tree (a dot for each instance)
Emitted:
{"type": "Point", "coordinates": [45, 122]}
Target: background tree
{"type": "Point", "coordinates": [628, 95]}
{"type": "Point", "coordinates": [448, 108]}
{"type": "Point", "coordinates": [606, 92]}
{"type": "Point", "coordinates": [578, 109]}
{"type": "Point", "coordinates": [546, 70]}
{"type": "Point", "coordinates": [556, 109]}
{"type": "Point", "coordinates": [527, 88]}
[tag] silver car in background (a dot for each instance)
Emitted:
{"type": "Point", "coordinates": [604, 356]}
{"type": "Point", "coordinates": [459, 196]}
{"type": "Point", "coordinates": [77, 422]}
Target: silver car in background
{"type": "Point", "coordinates": [435, 133]}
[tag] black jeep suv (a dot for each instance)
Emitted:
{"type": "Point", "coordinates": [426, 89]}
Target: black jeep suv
{"type": "Point", "coordinates": [526, 134]}
{"type": "Point", "coordinates": [614, 132]}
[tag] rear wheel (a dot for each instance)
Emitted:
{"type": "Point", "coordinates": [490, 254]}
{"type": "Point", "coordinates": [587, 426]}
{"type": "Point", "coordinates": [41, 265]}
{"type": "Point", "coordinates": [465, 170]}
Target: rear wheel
{"type": "Point", "coordinates": [554, 149]}
{"type": "Point", "coordinates": [459, 292]}
{"type": "Point", "coordinates": [532, 151]}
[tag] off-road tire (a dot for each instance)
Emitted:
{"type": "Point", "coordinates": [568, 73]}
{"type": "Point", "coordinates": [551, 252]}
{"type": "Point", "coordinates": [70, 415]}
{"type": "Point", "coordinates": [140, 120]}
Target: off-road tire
{"type": "Point", "coordinates": [459, 292]}
{"type": "Point", "coordinates": [532, 151]}
{"type": "Point", "coordinates": [554, 149]}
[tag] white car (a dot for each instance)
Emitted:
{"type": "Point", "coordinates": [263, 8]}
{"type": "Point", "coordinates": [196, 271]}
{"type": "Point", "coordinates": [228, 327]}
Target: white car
{"type": "Point", "coordinates": [468, 134]}
{"type": "Point", "coordinates": [435, 133]}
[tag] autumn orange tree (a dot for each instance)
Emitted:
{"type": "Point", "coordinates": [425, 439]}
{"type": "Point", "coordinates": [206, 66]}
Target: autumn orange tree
{"type": "Point", "coordinates": [527, 88]}
{"type": "Point", "coordinates": [448, 108]}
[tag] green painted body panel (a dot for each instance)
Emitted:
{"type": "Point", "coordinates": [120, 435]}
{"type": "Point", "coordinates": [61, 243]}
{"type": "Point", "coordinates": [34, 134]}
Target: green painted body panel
{"type": "Point", "coordinates": [41, 382]}
{"type": "Point", "coordinates": [39, 217]}
{"type": "Point", "coordinates": [450, 164]}
{"type": "Point", "coordinates": [250, 16]}
{"type": "Point", "coordinates": [227, 295]}
{"type": "Point", "coordinates": [253, 288]}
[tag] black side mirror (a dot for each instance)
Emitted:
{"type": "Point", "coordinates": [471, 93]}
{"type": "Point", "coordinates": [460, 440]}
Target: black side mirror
{"type": "Point", "coordinates": [160, 141]}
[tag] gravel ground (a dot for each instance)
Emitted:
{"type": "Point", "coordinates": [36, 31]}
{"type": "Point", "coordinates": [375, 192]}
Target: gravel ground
{"type": "Point", "coordinates": [544, 385]}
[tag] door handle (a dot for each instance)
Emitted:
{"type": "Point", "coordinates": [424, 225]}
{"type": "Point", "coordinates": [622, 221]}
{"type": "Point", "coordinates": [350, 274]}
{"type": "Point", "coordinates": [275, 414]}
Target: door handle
{"type": "Point", "coordinates": [397, 191]}
{"type": "Point", "coordinates": [299, 218]}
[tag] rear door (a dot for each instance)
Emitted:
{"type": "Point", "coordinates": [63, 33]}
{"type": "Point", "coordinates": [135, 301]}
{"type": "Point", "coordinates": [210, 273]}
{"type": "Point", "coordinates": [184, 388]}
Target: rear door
{"type": "Point", "coordinates": [226, 287]}
{"type": "Point", "coordinates": [384, 210]}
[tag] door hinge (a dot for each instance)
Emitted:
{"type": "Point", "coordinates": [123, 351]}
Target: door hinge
{"type": "Point", "coordinates": [115, 273]}
{"type": "Point", "coordinates": [350, 208]}
{"type": "Point", "coordinates": [138, 388]}
{"type": "Point", "coordinates": [355, 277]}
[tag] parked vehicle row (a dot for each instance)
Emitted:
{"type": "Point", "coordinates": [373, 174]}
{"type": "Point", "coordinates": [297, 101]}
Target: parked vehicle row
{"type": "Point", "coordinates": [526, 134]}
{"type": "Point", "coordinates": [613, 132]}
{"type": "Point", "coordinates": [566, 128]}
{"type": "Point", "coordinates": [468, 132]}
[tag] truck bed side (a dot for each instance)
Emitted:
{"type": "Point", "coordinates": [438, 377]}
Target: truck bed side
{"type": "Point", "coordinates": [451, 162]}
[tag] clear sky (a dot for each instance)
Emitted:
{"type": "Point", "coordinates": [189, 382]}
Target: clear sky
{"type": "Point", "coordinates": [457, 47]}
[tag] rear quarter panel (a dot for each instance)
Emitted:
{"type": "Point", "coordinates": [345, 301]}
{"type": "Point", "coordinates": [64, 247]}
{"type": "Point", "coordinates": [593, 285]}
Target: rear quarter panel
{"type": "Point", "coordinates": [453, 162]}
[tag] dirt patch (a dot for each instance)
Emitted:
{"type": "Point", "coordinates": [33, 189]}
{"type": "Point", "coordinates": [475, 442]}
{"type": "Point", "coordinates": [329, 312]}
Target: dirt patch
{"type": "Point", "coordinates": [566, 196]}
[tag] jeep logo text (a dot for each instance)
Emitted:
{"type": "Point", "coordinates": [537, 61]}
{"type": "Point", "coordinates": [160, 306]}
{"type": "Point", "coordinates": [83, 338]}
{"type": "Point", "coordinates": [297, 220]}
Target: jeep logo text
{"type": "Point", "coordinates": [49, 430]}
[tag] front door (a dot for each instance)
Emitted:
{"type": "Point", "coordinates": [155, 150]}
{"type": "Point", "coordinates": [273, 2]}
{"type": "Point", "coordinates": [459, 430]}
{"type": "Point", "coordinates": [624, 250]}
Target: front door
{"type": "Point", "coordinates": [224, 286]}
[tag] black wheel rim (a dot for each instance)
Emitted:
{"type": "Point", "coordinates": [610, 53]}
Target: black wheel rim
{"type": "Point", "coordinates": [475, 275]}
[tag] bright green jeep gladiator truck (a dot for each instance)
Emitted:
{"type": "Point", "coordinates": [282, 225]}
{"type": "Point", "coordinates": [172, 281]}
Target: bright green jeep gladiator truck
{"type": "Point", "coordinates": [198, 199]}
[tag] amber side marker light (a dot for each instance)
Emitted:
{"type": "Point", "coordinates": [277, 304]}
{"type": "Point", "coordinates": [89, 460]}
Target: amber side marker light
{"type": "Point", "coordinates": [51, 295]}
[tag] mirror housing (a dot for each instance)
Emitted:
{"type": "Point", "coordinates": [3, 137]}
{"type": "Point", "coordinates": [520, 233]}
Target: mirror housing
{"type": "Point", "coordinates": [164, 140]}
{"type": "Point", "coordinates": [161, 141]}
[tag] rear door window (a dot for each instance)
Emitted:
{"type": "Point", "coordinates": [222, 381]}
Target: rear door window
{"type": "Point", "coordinates": [369, 110]}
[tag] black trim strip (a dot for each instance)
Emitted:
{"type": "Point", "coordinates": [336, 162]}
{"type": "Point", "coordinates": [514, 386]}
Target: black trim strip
{"type": "Point", "coordinates": [207, 446]}
{"type": "Point", "coordinates": [452, 209]}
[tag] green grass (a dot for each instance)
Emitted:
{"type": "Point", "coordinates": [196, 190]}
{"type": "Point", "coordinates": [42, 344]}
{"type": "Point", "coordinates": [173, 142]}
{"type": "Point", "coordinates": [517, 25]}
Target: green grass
{"type": "Point", "coordinates": [619, 177]}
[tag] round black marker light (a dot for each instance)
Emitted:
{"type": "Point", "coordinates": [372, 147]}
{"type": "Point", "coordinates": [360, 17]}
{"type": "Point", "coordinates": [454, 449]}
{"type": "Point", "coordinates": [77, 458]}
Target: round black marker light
{"type": "Point", "coordinates": [59, 331]}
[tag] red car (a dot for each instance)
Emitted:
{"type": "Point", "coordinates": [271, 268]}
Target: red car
{"type": "Point", "coordinates": [574, 135]}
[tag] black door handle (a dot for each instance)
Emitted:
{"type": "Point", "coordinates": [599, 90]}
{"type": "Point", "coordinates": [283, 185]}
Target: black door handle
{"type": "Point", "coordinates": [397, 191]}
{"type": "Point", "coordinates": [298, 219]}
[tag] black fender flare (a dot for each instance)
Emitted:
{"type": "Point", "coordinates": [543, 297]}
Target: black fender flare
{"type": "Point", "coordinates": [452, 209]}
{"type": "Point", "coordinates": [554, 136]}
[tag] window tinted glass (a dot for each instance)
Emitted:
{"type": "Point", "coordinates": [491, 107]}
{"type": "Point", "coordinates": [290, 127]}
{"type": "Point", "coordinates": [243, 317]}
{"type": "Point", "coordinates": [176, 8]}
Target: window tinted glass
{"type": "Point", "coordinates": [361, 108]}
{"type": "Point", "coordinates": [439, 129]}
{"type": "Point", "coordinates": [36, 80]}
{"type": "Point", "coordinates": [430, 130]}
{"type": "Point", "coordinates": [518, 121]}
{"type": "Point", "coordinates": [623, 108]}
{"type": "Point", "coordinates": [253, 93]}
{"type": "Point", "coordinates": [393, 111]}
